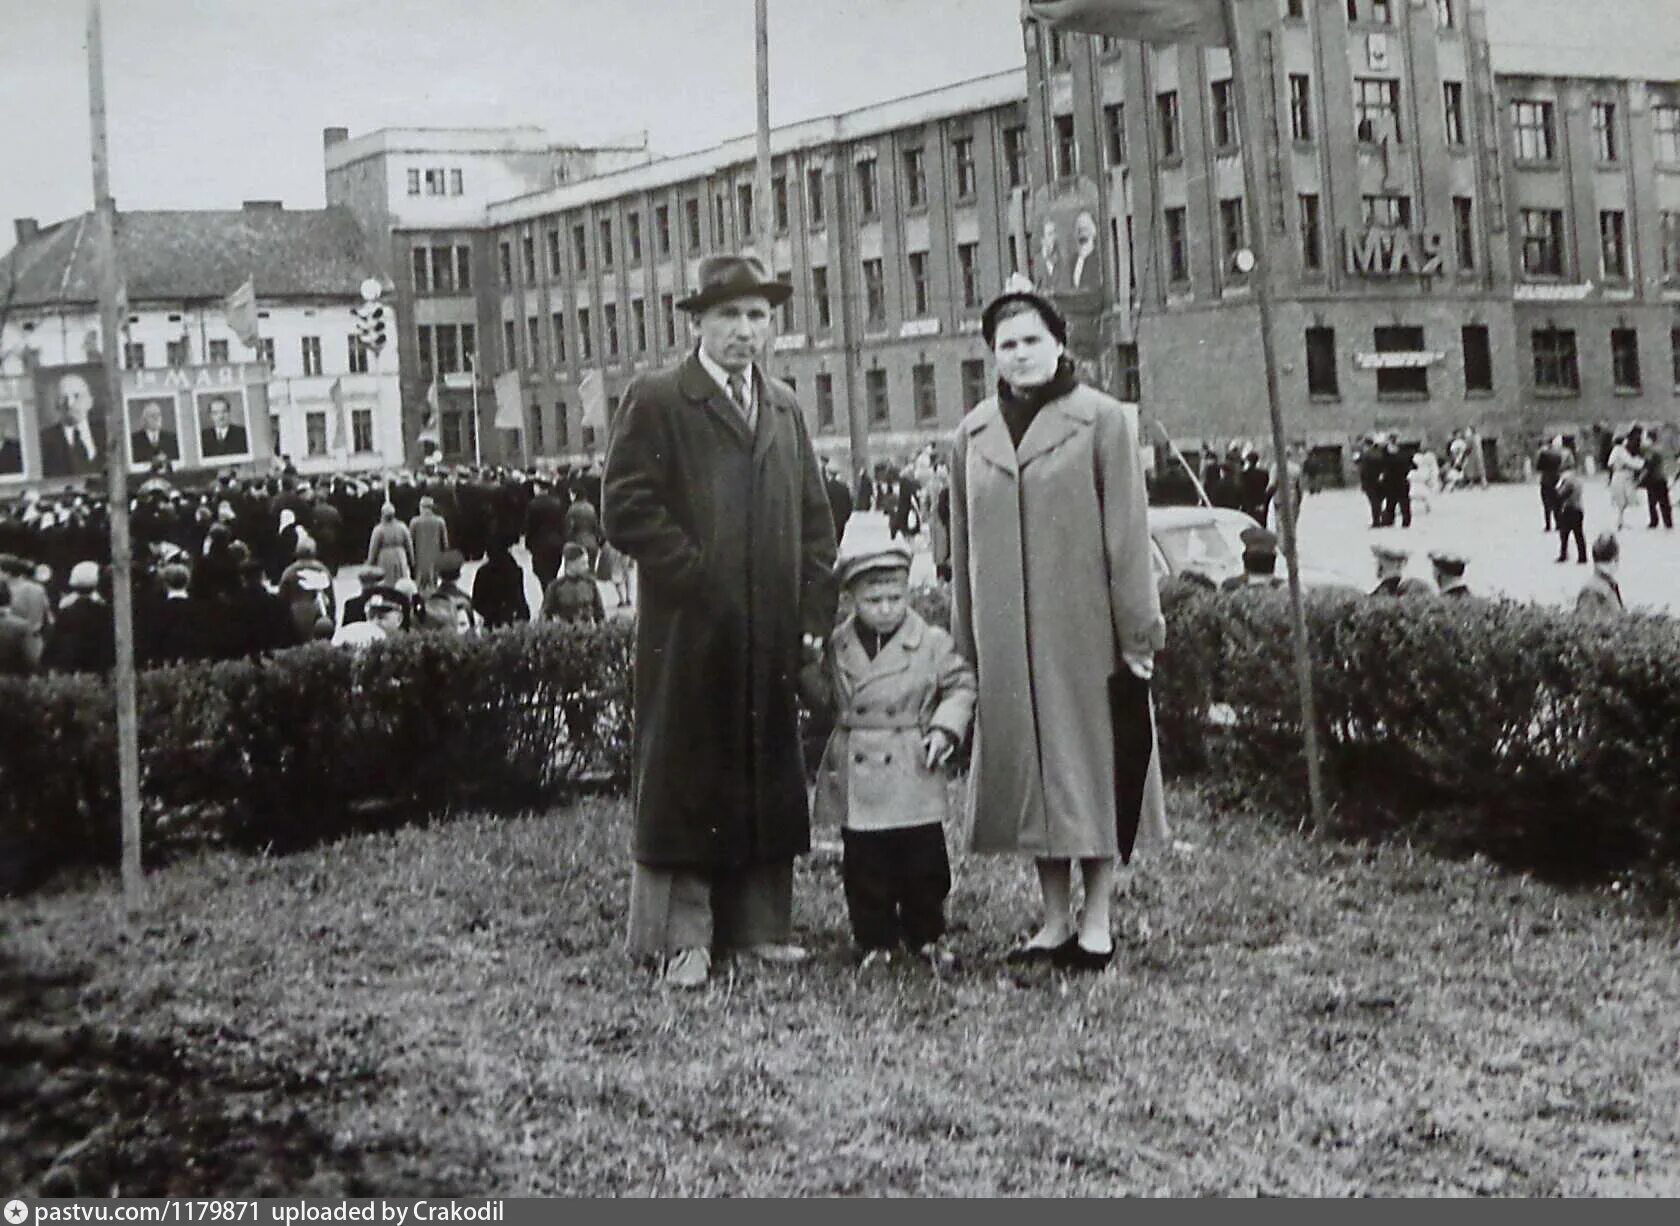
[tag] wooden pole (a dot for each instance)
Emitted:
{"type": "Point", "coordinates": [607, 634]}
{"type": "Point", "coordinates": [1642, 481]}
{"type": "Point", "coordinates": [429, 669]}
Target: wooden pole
{"type": "Point", "coordinates": [761, 177]}
{"type": "Point", "coordinates": [122, 581]}
{"type": "Point", "coordinates": [1262, 289]}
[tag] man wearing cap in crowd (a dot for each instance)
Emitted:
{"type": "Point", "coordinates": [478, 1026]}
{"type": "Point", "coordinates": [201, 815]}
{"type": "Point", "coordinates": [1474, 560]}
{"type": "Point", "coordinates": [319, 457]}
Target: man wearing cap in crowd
{"type": "Point", "coordinates": [1600, 597]}
{"type": "Point", "coordinates": [1259, 561]}
{"type": "Point", "coordinates": [1449, 574]}
{"type": "Point", "coordinates": [83, 638]}
{"type": "Point", "coordinates": [1391, 577]}
{"type": "Point", "coordinates": [355, 609]}
{"type": "Point", "coordinates": [712, 488]}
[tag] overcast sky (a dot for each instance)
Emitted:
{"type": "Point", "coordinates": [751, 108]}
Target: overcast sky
{"type": "Point", "coordinates": [217, 101]}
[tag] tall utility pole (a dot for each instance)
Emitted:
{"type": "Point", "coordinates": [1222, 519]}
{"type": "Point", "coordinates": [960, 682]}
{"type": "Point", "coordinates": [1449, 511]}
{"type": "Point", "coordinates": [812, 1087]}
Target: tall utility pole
{"type": "Point", "coordinates": [763, 218]}
{"type": "Point", "coordinates": [122, 582]}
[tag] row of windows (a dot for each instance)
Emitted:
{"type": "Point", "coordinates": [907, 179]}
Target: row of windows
{"type": "Point", "coordinates": [179, 353]}
{"type": "Point", "coordinates": [315, 432]}
{"type": "Point", "coordinates": [442, 270]}
{"type": "Point", "coordinates": [1534, 131]}
{"type": "Point", "coordinates": [437, 180]}
{"type": "Point", "coordinates": [1556, 360]}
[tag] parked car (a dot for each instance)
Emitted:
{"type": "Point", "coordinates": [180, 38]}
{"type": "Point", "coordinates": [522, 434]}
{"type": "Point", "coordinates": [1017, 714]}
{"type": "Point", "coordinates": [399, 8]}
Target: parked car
{"type": "Point", "coordinates": [1206, 542]}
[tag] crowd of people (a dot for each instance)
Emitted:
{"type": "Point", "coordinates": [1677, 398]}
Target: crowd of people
{"type": "Point", "coordinates": [245, 566]}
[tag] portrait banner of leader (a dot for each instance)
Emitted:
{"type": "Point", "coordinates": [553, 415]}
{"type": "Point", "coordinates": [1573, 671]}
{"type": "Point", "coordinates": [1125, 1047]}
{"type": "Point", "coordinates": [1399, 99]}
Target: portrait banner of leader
{"type": "Point", "coordinates": [70, 407]}
{"type": "Point", "coordinates": [153, 426]}
{"type": "Point", "coordinates": [206, 416]}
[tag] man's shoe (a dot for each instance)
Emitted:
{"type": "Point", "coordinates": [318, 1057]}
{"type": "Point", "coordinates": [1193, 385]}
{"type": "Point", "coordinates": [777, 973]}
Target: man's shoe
{"type": "Point", "coordinates": [781, 955]}
{"type": "Point", "coordinates": [1033, 955]}
{"type": "Point", "coordinates": [1075, 957]}
{"type": "Point", "coordinates": [688, 968]}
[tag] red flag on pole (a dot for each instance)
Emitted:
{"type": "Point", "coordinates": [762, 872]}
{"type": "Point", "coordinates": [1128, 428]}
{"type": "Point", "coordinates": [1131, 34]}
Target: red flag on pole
{"type": "Point", "coordinates": [341, 426]}
{"type": "Point", "coordinates": [241, 309]}
{"type": "Point", "coordinates": [1201, 22]}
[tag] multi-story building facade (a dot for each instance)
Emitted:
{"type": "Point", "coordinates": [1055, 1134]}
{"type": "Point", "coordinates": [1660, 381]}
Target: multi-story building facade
{"type": "Point", "coordinates": [317, 395]}
{"type": "Point", "coordinates": [1453, 239]}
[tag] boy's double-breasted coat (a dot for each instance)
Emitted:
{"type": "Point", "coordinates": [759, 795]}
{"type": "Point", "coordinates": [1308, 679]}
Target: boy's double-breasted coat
{"type": "Point", "coordinates": [1051, 581]}
{"type": "Point", "coordinates": [732, 534]}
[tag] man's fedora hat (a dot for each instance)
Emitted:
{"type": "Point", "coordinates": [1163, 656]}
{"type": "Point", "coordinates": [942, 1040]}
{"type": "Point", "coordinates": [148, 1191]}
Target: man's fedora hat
{"type": "Point", "coordinates": [723, 277]}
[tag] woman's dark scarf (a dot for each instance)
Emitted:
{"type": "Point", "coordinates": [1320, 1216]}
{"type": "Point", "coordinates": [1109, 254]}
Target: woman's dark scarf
{"type": "Point", "coordinates": [1019, 410]}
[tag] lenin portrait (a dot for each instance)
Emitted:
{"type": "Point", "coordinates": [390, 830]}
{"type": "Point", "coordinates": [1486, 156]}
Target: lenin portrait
{"type": "Point", "coordinates": [223, 433]}
{"type": "Point", "coordinates": [70, 404]}
{"type": "Point", "coordinates": [152, 431]}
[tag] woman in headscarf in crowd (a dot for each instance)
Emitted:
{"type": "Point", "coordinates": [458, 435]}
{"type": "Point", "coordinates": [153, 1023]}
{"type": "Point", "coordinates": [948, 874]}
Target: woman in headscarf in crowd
{"type": "Point", "coordinates": [391, 548]}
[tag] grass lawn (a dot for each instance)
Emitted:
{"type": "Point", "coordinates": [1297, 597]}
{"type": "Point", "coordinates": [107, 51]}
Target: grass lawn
{"type": "Point", "coordinates": [448, 1010]}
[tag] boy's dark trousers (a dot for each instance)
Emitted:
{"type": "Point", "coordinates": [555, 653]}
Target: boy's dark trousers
{"type": "Point", "coordinates": [1656, 497]}
{"type": "Point", "coordinates": [1569, 526]}
{"type": "Point", "coordinates": [896, 883]}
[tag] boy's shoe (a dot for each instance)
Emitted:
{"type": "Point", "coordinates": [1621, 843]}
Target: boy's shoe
{"type": "Point", "coordinates": [688, 968]}
{"type": "Point", "coordinates": [941, 960]}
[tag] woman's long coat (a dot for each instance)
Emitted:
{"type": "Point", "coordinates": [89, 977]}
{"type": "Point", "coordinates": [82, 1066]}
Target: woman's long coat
{"type": "Point", "coordinates": [733, 539]}
{"type": "Point", "coordinates": [1050, 554]}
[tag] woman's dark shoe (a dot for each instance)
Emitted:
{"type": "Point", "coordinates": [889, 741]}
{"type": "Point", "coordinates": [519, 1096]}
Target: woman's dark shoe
{"type": "Point", "coordinates": [1075, 957]}
{"type": "Point", "coordinates": [1036, 955]}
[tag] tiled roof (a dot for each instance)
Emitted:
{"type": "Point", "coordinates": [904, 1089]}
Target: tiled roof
{"type": "Point", "coordinates": [185, 255]}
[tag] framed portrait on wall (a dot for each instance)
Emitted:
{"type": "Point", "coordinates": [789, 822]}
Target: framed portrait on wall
{"type": "Point", "coordinates": [223, 425]}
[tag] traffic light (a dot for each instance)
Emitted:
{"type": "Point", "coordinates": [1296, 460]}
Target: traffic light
{"type": "Point", "coordinates": [371, 325]}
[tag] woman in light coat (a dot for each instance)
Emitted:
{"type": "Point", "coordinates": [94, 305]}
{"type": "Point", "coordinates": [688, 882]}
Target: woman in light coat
{"type": "Point", "coordinates": [1052, 594]}
{"type": "Point", "coordinates": [1624, 464]}
{"type": "Point", "coordinates": [391, 548]}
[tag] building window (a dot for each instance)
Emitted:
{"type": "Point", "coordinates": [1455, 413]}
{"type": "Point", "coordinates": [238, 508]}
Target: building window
{"type": "Point", "coordinates": [506, 251]}
{"type": "Point", "coordinates": [315, 433]}
{"type": "Point", "coordinates": [1300, 106]}
{"type": "Point", "coordinates": [868, 204]}
{"type": "Point", "coordinates": [1668, 236]}
{"type": "Point", "coordinates": [536, 427]}
{"type": "Point", "coordinates": [1058, 48]}
{"type": "Point", "coordinates": [962, 161]}
{"type": "Point", "coordinates": [176, 353]}
{"type": "Point", "coordinates": [974, 388]}
{"type": "Point", "coordinates": [638, 324]}
{"type": "Point", "coordinates": [1555, 365]}
{"type": "Point", "coordinates": [662, 230]}
{"type": "Point", "coordinates": [414, 182]}
{"type": "Point", "coordinates": [875, 383]}
{"type": "Point", "coordinates": [1478, 359]}
{"type": "Point", "coordinates": [1322, 376]}
{"type": "Point", "coordinates": [1166, 120]}
{"type": "Point", "coordinates": [443, 270]}
{"type": "Point", "coordinates": [435, 185]}
{"type": "Point", "coordinates": [1015, 253]}
{"type": "Point", "coordinates": [463, 269]}
{"type": "Point", "coordinates": [555, 258]}
{"type": "Point", "coordinates": [1015, 154]}
{"type": "Point", "coordinates": [609, 317]}
{"type": "Point", "coordinates": [779, 202]}
{"type": "Point", "coordinates": [1387, 212]}
{"type": "Point", "coordinates": [633, 237]}
{"type": "Point", "coordinates": [580, 248]}
{"type": "Point", "coordinates": [606, 243]}
{"type": "Point", "coordinates": [1377, 110]}
{"type": "Point", "coordinates": [457, 183]}
{"type": "Point", "coordinates": [786, 277]}
{"type": "Point", "coordinates": [1114, 127]}
{"type": "Point", "coordinates": [1295, 10]}
{"type": "Point", "coordinates": [819, 294]}
{"type": "Point", "coordinates": [528, 257]}
{"type": "Point", "coordinates": [421, 261]}
{"type": "Point", "coordinates": [218, 352]}
{"type": "Point", "coordinates": [814, 195]}
{"type": "Point", "coordinates": [510, 345]}
{"type": "Point", "coordinates": [1178, 253]}
{"type": "Point", "coordinates": [874, 293]}
{"type": "Point", "coordinates": [744, 204]}
{"type": "Point", "coordinates": [134, 356]}
{"type": "Point", "coordinates": [1312, 236]}
{"type": "Point", "coordinates": [1612, 243]}
{"type": "Point", "coordinates": [585, 335]}
{"type": "Point", "coordinates": [356, 351]}
{"type": "Point", "coordinates": [1232, 233]}
{"type": "Point", "coordinates": [1067, 148]}
{"type": "Point", "coordinates": [361, 430]}
{"type": "Point", "coordinates": [1604, 131]}
{"type": "Point", "coordinates": [311, 355]}
{"type": "Point", "coordinates": [1542, 242]}
{"type": "Point", "coordinates": [1665, 122]}
{"type": "Point", "coordinates": [557, 330]}
{"type": "Point", "coordinates": [668, 318]}
{"type": "Point", "coordinates": [1624, 359]}
{"type": "Point", "coordinates": [691, 223]}
{"type": "Point", "coordinates": [1382, 12]}
{"type": "Point", "coordinates": [1464, 231]}
{"type": "Point", "coordinates": [562, 427]}
{"type": "Point", "coordinates": [1404, 381]}
{"type": "Point", "coordinates": [1352, 11]}
{"type": "Point", "coordinates": [1224, 116]}
{"type": "Point", "coordinates": [448, 356]}
{"type": "Point", "coordinates": [1128, 372]}
{"type": "Point", "coordinates": [915, 178]}
{"type": "Point", "coordinates": [1444, 14]}
{"type": "Point", "coordinates": [265, 350]}
{"type": "Point", "coordinates": [1674, 354]}
{"type": "Point", "coordinates": [825, 401]}
{"type": "Point", "coordinates": [274, 433]}
{"type": "Point", "coordinates": [925, 390]}
{"type": "Point", "coordinates": [1531, 124]}
{"type": "Point", "coordinates": [423, 350]}
{"type": "Point", "coordinates": [1452, 100]}
{"type": "Point", "coordinates": [720, 233]}
{"type": "Point", "coordinates": [919, 282]}
{"type": "Point", "coordinates": [968, 266]}
{"type": "Point", "coordinates": [469, 347]}
{"type": "Point", "coordinates": [533, 340]}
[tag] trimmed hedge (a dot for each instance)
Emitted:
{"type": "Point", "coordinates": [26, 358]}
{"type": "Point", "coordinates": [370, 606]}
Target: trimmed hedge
{"type": "Point", "coordinates": [288, 749]}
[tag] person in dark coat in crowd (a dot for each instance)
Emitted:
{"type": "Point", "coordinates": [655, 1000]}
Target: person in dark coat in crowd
{"type": "Point", "coordinates": [712, 488]}
{"type": "Point", "coordinates": [355, 608]}
{"type": "Point", "coordinates": [583, 527]}
{"type": "Point", "coordinates": [574, 596]}
{"type": "Point", "coordinates": [1655, 478]}
{"type": "Point", "coordinates": [329, 532]}
{"type": "Point", "coordinates": [1449, 575]}
{"type": "Point", "coordinates": [20, 647]}
{"type": "Point", "coordinates": [1548, 464]}
{"type": "Point", "coordinates": [216, 576]}
{"type": "Point", "coordinates": [83, 639]}
{"type": "Point", "coordinates": [171, 629]}
{"type": "Point", "coordinates": [499, 587]}
{"type": "Point", "coordinates": [1570, 514]}
{"type": "Point", "coordinates": [1254, 488]}
{"type": "Point", "coordinates": [1370, 466]}
{"type": "Point", "coordinates": [260, 620]}
{"type": "Point", "coordinates": [545, 534]}
{"type": "Point", "coordinates": [839, 498]}
{"type": "Point", "coordinates": [1394, 482]}
{"type": "Point", "coordinates": [1600, 597]}
{"type": "Point", "coordinates": [1392, 579]}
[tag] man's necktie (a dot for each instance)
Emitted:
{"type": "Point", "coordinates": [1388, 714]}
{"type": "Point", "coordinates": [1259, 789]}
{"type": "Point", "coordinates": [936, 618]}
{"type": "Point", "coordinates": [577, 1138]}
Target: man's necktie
{"type": "Point", "coordinates": [738, 392]}
{"type": "Point", "coordinates": [85, 436]}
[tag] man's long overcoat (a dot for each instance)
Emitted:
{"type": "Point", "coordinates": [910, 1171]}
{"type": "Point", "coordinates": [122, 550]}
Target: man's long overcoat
{"type": "Point", "coordinates": [735, 545]}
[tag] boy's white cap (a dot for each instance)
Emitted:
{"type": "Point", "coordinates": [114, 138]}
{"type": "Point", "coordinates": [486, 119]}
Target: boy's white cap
{"type": "Point", "coordinates": [868, 545]}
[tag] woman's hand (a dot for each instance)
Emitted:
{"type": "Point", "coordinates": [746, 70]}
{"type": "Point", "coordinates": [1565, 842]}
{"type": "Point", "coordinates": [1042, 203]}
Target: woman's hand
{"type": "Point", "coordinates": [938, 745]}
{"type": "Point", "coordinates": [1142, 663]}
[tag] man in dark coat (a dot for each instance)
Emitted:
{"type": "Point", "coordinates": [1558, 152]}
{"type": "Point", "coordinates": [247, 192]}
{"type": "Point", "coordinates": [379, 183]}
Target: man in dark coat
{"type": "Point", "coordinates": [1548, 463]}
{"type": "Point", "coordinates": [839, 499]}
{"type": "Point", "coordinates": [712, 486]}
{"type": "Point", "coordinates": [1369, 462]}
{"type": "Point", "coordinates": [83, 638]}
{"type": "Point", "coordinates": [545, 534]}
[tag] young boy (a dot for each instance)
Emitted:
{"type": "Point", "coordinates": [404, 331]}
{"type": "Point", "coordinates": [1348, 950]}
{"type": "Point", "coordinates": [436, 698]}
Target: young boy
{"type": "Point", "coordinates": [573, 595]}
{"type": "Point", "coordinates": [903, 699]}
